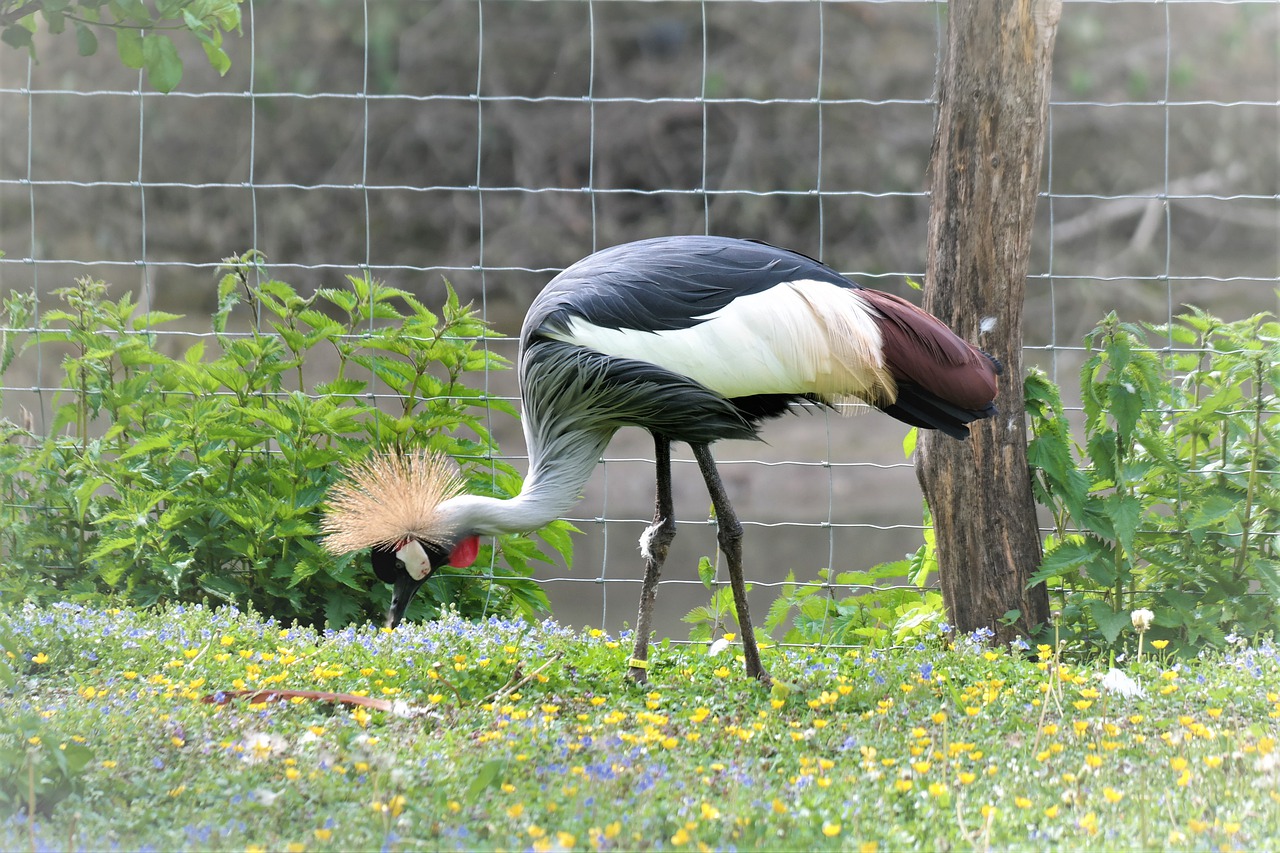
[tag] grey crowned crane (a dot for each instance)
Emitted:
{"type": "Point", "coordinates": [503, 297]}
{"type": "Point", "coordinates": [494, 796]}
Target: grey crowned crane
{"type": "Point", "coordinates": [694, 339]}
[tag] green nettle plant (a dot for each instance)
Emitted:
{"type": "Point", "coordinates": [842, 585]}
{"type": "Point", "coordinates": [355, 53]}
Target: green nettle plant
{"type": "Point", "coordinates": [891, 603]}
{"type": "Point", "coordinates": [886, 604]}
{"type": "Point", "coordinates": [203, 476]}
{"type": "Point", "coordinates": [1171, 503]}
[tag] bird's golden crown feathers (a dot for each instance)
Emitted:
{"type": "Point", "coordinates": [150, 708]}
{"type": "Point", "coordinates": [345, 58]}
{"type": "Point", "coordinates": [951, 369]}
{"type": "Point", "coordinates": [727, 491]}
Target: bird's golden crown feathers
{"type": "Point", "coordinates": [388, 498]}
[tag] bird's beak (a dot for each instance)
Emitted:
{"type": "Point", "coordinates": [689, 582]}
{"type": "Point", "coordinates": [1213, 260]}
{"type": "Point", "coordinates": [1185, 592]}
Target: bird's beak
{"type": "Point", "coordinates": [402, 593]}
{"type": "Point", "coordinates": [417, 568]}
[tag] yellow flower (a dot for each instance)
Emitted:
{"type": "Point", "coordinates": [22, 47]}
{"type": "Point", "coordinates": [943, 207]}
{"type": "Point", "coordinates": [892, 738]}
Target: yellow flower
{"type": "Point", "coordinates": [937, 789]}
{"type": "Point", "coordinates": [515, 811]}
{"type": "Point", "coordinates": [1051, 812]}
{"type": "Point", "coordinates": [1214, 761]}
{"type": "Point", "coordinates": [681, 838]}
{"type": "Point", "coordinates": [830, 829]}
{"type": "Point", "coordinates": [710, 812]}
{"type": "Point", "coordinates": [966, 778]}
{"type": "Point", "coordinates": [1112, 795]}
{"type": "Point", "coordinates": [295, 847]}
{"type": "Point", "coordinates": [40, 658]}
{"type": "Point", "coordinates": [1159, 644]}
{"type": "Point", "coordinates": [323, 834]}
{"type": "Point", "coordinates": [902, 786]}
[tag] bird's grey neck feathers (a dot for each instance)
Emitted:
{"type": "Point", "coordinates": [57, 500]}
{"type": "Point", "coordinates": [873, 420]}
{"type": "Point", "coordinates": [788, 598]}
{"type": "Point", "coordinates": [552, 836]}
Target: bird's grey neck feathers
{"type": "Point", "coordinates": [559, 467]}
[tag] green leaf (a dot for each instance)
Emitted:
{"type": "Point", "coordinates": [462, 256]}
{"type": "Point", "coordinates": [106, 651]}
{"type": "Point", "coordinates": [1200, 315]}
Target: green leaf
{"type": "Point", "coordinates": [1211, 510]}
{"type": "Point", "coordinates": [86, 41]}
{"type": "Point", "coordinates": [1126, 407]}
{"type": "Point", "coordinates": [557, 536]}
{"type": "Point", "coordinates": [154, 318]}
{"type": "Point", "coordinates": [1125, 512]}
{"type": "Point", "coordinates": [7, 676]}
{"type": "Point", "coordinates": [1110, 622]}
{"type": "Point", "coordinates": [485, 776]}
{"type": "Point", "coordinates": [706, 572]}
{"type": "Point", "coordinates": [17, 36]}
{"type": "Point", "coordinates": [129, 46]}
{"type": "Point", "coordinates": [340, 609]}
{"type": "Point", "coordinates": [909, 442]}
{"type": "Point", "coordinates": [164, 66]}
{"type": "Point", "coordinates": [1070, 554]}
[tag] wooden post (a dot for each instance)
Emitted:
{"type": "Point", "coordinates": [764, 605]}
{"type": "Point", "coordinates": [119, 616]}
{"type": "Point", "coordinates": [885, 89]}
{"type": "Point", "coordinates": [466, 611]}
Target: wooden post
{"type": "Point", "coordinates": [993, 94]}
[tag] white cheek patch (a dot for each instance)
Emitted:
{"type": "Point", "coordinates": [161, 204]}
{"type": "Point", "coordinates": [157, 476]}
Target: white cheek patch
{"type": "Point", "coordinates": [415, 560]}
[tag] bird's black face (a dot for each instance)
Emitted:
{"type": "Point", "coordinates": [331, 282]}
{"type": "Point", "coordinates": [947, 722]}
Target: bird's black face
{"type": "Point", "coordinates": [406, 568]}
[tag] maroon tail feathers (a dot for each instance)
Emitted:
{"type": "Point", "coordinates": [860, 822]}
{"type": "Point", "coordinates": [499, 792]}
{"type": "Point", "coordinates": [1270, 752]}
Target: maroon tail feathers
{"type": "Point", "coordinates": [944, 382]}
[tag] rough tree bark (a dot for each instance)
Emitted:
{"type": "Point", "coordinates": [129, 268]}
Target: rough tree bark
{"type": "Point", "coordinates": [993, 92]}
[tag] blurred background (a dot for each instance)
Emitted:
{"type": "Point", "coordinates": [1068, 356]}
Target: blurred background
{"type": "Point", "coordinates": [492, 144]}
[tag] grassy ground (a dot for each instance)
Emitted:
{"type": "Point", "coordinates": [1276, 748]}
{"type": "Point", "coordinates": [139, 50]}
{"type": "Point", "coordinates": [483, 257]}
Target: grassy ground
{"type": "Point", "coordinates": [506, 735]}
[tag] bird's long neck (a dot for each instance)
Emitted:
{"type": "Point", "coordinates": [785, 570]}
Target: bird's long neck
{"type": "Point", "coordinates": [559, 466]}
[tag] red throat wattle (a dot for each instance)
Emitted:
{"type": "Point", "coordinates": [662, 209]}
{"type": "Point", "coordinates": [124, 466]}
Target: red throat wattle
{"type": "Point", "coordinates": [464, 553]}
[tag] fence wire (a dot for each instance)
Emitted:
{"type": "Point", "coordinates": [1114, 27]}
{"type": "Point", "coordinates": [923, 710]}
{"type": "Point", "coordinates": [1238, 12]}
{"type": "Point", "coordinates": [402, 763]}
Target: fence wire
{"type": "Point", "coordinates": [494, 143]}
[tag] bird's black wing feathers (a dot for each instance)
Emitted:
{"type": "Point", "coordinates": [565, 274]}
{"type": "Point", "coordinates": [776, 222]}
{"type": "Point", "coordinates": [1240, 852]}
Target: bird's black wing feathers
{"type": "Point", "coordinates": [608, 393]}
{"type": "Point", "coordinates": [667, 282]}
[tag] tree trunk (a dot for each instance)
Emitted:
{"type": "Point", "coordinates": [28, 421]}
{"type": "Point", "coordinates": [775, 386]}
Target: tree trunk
{"type": "Point", "coordinates": [993, 94]}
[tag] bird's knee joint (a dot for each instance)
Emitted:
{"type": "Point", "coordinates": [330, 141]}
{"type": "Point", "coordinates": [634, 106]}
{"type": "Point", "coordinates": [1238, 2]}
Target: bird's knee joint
{"type": "Point", "coordinates": [729, 536]}
{"type": "Point", "coordinates": [656, 538]}
{"type": "Point", "coordinates": [729, 532]}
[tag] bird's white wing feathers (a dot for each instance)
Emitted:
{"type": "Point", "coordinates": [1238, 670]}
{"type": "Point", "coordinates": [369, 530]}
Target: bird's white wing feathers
{"type": "Point", "coordinates": [799, 337]}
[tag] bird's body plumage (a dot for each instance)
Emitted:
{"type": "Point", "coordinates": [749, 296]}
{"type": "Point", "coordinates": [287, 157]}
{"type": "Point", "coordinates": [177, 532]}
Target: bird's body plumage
{"type": "Point", "coordinates": [698, 339]}
{"type": "Point", "coordinates": [718, 320]}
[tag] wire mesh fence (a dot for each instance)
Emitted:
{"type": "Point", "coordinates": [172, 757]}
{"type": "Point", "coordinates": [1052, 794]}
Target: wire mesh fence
{"type": "Point", "coordinates": [494, 143]}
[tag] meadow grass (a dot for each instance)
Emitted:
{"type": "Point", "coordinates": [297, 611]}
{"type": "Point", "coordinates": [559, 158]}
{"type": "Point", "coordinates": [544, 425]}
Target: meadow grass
{"type": "Point", "coordinates": [509, 735]}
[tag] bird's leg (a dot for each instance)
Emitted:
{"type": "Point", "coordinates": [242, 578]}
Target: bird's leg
{"type": "Point", "coordinates": [654, 543]}
{"type": "Point", "coordinates": [729, 534]}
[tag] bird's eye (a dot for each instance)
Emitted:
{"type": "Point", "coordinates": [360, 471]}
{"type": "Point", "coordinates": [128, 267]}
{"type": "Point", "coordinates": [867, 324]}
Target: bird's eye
{"type": "Point", "coordinates": [400, 565]}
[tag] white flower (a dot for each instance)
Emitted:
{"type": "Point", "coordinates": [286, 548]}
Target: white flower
{"type": "Point", "coordinates": [266, 796]}
{"type": "Point", "coordinates": [260, 746]}
{"type": "Point", "coordinates": [717, 647]}
{"type": "Point", "coordinates": [1142, 619]}
{"type": "Point", "coordinates": [1117, 682]}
